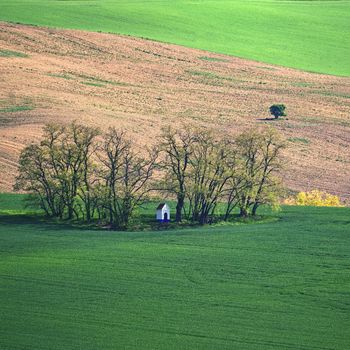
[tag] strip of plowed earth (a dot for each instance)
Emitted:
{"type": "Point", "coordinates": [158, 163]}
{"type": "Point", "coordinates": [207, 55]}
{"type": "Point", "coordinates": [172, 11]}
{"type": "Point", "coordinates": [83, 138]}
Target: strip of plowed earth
{"type": "Point", "coordinates": [106, 80]}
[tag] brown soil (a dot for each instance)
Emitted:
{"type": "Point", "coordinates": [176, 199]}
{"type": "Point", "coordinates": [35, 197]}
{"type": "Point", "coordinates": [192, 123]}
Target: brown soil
{"type": "Point", "coordinates": [109, 80]}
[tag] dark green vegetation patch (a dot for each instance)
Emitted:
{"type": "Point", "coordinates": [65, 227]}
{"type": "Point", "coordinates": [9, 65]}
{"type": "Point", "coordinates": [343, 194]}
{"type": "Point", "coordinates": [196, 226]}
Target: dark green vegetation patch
{"type": "Point", "coordinates": [213, 59]}
{"type": "Point", "coordinates": [16, 109]}
{"type": "Point", "coordinates": [8, 53]}
{"type": "Point", "coordinates": [276, 285]}
{"type": "Point", "coordinates": [92, 84]}
{"type": "Point", "coordinates": [299, 140]}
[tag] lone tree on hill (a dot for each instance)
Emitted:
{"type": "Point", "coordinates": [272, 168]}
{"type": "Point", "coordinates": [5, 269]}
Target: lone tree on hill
{"type": "Point", "coordinates": [278, 110]}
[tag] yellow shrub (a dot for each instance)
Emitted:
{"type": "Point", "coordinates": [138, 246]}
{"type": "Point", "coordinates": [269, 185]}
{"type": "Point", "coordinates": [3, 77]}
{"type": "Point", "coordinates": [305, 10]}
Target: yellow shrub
{"type": "Point", "coordinates": [314, 198]}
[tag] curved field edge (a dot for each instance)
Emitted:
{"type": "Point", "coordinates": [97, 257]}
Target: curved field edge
{"type": "Point", "coordinates": [281, 285]}
{"type": "Point", "coordinates": [308, 35]}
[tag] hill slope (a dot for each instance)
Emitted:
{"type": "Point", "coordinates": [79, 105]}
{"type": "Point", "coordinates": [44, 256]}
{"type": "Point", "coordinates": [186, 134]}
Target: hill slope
{"type": "Point", "coordinates": [281, 285]}
{"type": "Point", "coordinates": [310, 35]}
{"type": "Point", "coordinates": [103, 79]}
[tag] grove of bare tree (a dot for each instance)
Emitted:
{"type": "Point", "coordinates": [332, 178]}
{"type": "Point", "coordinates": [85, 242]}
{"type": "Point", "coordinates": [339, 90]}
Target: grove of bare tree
{"type": "Point", "coordinates": [77, 172]}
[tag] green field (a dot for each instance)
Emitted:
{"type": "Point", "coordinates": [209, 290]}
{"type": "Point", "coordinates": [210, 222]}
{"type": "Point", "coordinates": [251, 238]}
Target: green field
{"type": "Point", "coordinates": [278, 285]}
{"type": "Point", "coordinates": [309, 35]}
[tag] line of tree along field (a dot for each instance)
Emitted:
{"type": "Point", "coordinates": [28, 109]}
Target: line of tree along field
{"type": "Point", "coordinates": [77, 172]}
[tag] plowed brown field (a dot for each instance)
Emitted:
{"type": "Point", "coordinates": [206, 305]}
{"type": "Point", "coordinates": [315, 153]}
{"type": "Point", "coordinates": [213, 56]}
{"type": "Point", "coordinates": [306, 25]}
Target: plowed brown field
{"type": "Point", "coordinates": [109, 80]}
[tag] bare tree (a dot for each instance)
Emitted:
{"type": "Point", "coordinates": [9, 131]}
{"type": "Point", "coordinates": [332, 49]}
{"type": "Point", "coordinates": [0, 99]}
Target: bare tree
{"type": "Point", "coordinates": [35, 177]}
{"type": "Point", "coordinates": [269, 186]}
{"type": "Point", "coordinates": [70, 148]}
{"type": "Point", "coordinates": [58, 169]}
{"type": "Point", "coordinates": [84, 140]}
{"type": "Point", "coordinates": [209, 174]}
{"type": "Point", "coordinates": [234, 183]}
{"type": "Point", "coordinates": [178, 148]}
{"type": "Point", "coordinates": [256, 182]}
{"type": "Point", "coordinates": [127, 177]}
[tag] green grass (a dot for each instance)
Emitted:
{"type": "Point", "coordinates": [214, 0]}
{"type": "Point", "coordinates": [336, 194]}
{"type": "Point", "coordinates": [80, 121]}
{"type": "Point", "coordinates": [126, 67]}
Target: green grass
{"type": "Point", "coordinates": [16, 109]}
{"type": "Point", "coordinates": [8, 53]}
{"type": "Point", "coordinates": [212, 59]}
{"type": "Point", "coordinates": [100, 82]}
{"type": "Point", "coordinates": [212, 78]}
{"type": "Point", "coordinates": [309, 35]}
{"type": "Point", "coordinates": [63, 76]}
{"type": "Point", "coordinates": [274, 285]}
{"type": "Point", "coordinates": [93, 81]}
{"type": "Point", "coordinates": [299, 140]}
{"type": "Point", "coordinates": [11, 202]}
{"type": "Point", "coordinates": [93, 84]}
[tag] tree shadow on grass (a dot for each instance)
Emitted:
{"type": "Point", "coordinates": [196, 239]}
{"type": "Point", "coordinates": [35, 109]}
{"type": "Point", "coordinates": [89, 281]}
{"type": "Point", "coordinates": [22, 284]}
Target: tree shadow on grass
{"type": "Point", "coordinates": [40, 221]}
{"type": "Point", "coordinates": [144, 223]}
{"type": "Point", "coordinates": [267, 119]}
{"type": "Point", "coordinates": [271, 119]}
{"type": "Point", "coordinates": [44, 222]}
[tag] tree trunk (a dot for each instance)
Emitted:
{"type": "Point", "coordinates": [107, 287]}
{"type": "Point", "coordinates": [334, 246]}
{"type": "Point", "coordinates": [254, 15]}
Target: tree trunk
{"type": "Point", "coordinates": [255, 207]}
{"type": "Point", "coordinates": [88, 210]}
{"type": "Point", "coordinates": [243, 212]}
{"type": "Point", "coordinates": [179, 207]}
{"type": "Point", "coordinates": [70, 211]}
{"type": "Point", "coordinates": [229, 208]}
{"type": "Point", "coordinates": [203, 219]}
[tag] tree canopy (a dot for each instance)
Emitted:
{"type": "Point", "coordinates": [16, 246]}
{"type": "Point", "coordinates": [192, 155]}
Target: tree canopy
{"type": "Point", "coordinates": [278, 110]}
